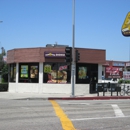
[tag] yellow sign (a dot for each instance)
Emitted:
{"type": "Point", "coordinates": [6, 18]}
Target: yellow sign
{"type": "Point", "coordinates": [47, 68]}
{"type": "Point", "coordinates": [126, 26]}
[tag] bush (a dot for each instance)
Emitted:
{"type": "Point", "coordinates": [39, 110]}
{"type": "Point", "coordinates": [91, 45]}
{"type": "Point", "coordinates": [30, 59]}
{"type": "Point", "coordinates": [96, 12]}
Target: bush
{"type": "Point", "coordinates": [3, 87]}
{"type": "Point", "coordinates": [124, 81]}
{"type": "Point", "coordinates": [4, 73]}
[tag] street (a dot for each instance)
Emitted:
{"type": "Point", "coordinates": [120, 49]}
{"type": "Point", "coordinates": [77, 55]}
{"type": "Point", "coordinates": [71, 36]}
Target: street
{"type": "Point", "coordinates": [64, 114]}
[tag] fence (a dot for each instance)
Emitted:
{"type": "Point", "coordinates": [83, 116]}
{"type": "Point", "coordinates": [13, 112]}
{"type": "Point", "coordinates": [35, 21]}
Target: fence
{"type": "Point", "coordinates": [108, 87]}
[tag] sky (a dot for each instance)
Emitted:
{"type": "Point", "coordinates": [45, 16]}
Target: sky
{"type": "Point", "coordinates": [36, 23]}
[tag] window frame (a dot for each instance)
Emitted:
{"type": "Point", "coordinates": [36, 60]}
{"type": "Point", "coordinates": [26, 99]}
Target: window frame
{"type": "Point", "coordinates": [28, 79]}
{"type": "Point", "coordinates": [12, 71]}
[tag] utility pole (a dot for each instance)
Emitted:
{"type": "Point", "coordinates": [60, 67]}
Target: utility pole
{"type": "Point", "coordinates": [73, 52]}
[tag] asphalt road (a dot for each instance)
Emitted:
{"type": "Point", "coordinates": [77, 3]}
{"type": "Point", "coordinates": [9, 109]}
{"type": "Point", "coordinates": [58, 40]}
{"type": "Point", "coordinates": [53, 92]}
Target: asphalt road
{"type": "Point", "coordinates": [64, 115]}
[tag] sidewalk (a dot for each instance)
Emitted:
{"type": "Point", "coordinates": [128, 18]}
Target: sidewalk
{"type": "Point", "coordinates": [49, 96]}
{"type": "Point", "coordinates": [9, 95]}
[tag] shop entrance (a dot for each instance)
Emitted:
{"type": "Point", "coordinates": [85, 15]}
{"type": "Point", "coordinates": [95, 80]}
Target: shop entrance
{"type": "Point", "coordinates": [93, 81]}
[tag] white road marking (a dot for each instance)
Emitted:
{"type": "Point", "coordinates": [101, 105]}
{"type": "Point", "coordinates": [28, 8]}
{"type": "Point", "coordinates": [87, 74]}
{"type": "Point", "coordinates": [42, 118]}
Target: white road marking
{"type": "Point", "coordinates": [69, 103]}
{"type": "Point", "coordinates": [117, 110]}
{"type": "Point", "coordinates": [97, 118]}
{"type": "Point", "coordinates": [79, 103]}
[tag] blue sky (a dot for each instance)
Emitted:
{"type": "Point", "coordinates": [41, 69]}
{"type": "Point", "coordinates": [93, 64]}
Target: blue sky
{"type": "Point", "coordinates": [35, 23]}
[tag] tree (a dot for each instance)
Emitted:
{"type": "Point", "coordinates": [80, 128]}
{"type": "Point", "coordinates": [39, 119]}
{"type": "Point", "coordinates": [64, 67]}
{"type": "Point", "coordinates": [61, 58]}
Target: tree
{"type": "Point", "coordinates": [3, 66]}
{"type": "Point", "coordinates": [4, 73]}
{"type": "Point", "coordinates": [2, 63]}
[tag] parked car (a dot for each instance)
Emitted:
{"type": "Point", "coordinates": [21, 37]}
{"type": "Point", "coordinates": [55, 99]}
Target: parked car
{"type": "Point", "coordinates": [111, 80]}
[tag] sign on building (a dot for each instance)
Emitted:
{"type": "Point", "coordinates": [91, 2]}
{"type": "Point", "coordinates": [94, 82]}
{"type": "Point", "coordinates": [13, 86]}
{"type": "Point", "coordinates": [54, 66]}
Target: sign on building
{"type": "Point", "coordinates": [126, 75]}
{"type": "Point", "coordinates": [113, 72]}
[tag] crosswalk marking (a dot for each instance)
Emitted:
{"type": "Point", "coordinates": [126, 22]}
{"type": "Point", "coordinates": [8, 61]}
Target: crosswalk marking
{"type": "Point", "coordinates": [117, 110]}
{"type": "Point", "coordinates": [98, 118]}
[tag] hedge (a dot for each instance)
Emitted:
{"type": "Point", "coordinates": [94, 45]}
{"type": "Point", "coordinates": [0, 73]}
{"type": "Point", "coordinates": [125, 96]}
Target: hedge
{"type": "Point", "coordinates": [3, 87]}
{"type": "Point", "coordinates": [124, 81]}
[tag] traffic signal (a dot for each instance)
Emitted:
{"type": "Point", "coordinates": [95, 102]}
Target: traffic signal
{"type": "Point", "coordinates": [77, 56]}
{"type": "Point", "coordinates": [68, 54]}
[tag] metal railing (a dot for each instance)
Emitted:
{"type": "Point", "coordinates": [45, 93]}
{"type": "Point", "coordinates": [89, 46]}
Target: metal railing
{"type": "Point", "coordinates": [108, 87]}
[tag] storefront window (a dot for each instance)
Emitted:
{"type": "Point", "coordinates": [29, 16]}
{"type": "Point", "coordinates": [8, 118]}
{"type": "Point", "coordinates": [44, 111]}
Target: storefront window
{"type": "Point", "coordinates": [12, 72]}
{"type": "Point", "coordinates": [85, 72]}
{"type": "Point", "coordinates": [56, 73]}
{"type": "Point", "coordinates": [29, 72]}
{"type": "Point", "coordinates": [33, 71]}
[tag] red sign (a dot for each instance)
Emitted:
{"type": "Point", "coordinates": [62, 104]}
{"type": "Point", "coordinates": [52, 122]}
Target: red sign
{"type": "Point", "coordinates": [112, 70]}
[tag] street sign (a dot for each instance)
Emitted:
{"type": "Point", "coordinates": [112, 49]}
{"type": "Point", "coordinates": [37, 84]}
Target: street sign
{"type": "Point", "coordinates": [126, 26]}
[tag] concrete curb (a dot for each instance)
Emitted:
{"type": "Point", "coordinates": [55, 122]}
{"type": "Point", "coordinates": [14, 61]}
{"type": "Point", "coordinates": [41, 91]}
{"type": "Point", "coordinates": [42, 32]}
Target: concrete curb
{"type": "Point", "coordinates": [33, 96]}
{"type": "Point", "coordinates": [90, 98]}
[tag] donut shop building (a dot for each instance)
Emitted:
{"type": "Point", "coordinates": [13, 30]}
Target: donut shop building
{"type": "Point", "coordinates": [44, 70]}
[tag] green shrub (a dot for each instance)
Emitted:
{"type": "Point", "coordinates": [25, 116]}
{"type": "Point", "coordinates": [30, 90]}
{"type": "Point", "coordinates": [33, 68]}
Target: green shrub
{"type": "Point", "coordinates": [2, 80]}
{"type": "Point", "coordinates": [4, 73]}
{"type": "Point", "coordinates": [3, 87]}
{"type": "Point", "coordinates": [124, 81]}
{"type": "Point", "coordinates": [120, 81]}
